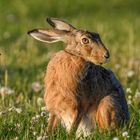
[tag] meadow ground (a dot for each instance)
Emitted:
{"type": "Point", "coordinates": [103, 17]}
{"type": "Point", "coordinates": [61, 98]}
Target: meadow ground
{"type": "Point", "coordinates": [23, 61]}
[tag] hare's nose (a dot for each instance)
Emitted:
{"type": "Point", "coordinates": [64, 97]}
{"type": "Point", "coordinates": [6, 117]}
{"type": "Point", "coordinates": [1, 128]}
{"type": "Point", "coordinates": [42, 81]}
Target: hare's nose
{"type": "Point", "coordinates": [106, 55]}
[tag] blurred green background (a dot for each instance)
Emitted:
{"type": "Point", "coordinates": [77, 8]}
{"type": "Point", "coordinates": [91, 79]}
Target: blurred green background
{"type": "Point", "coordinates": [23, 60]}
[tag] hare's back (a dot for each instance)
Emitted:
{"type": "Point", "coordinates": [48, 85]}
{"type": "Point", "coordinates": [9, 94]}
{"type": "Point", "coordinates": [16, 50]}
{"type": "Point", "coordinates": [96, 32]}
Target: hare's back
{"type": "Point", "coordinates": [69, 74]}
{"type": "Point", "coordinates": [96, 81]}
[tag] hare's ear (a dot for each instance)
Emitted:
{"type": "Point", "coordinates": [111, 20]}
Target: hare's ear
{"type": "Point", "coordinates": [60, 24]}
{"type": "Point", "coordinates": [48, 36]}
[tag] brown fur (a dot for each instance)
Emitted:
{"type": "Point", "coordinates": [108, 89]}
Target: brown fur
{"type": "Point", "coordinates": [73, 80]}
{"type": "Point", "coordinates": [78, 91]}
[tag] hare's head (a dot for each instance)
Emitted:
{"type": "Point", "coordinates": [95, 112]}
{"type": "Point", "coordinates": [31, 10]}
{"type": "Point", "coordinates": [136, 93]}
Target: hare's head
{"type": "Point", "coordinates": [79, 42]}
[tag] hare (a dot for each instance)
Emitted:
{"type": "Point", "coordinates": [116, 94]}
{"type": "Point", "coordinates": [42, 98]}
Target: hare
{"type": "Point", "coordinates": [79, 92]}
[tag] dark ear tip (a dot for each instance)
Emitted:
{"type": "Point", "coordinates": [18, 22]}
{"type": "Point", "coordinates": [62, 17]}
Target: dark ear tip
{"type": "Point", "coordinates": [32, 31]}
{"type": "Point", "coordinates": [49, 20]}
{"type": "Point", "coordinates": [28, 32]}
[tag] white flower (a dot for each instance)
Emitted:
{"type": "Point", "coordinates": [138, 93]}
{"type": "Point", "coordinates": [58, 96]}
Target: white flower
{"type": "Point", "coordinates": [16, 138]}
{"type": "Point", "coordinates": [34, 133]}
{"type": "Point", "coordinates": [130, 73]}
{"type": "Point", "coordinates": [42, 138]}
{"type": "Point", "coordinates": [36, 86]}
{"type": "Point", "coordinates": [18, 110]}
{"type": "Point", "coordinates": [130, 97]}
{"type": "Point", "coordinates": [125, 134]}
{"type": "Point", "coordinates": [6, 90]}
{"type": "Point", "coordinates": [128, 90]}
{"type": "Point", "coordinates": [43, 108]}
{"type": "Point", "coordinates": [37, 116]}
{"type": "Point", "coordinates": [40, 101]}
{"type": "Point", "coordinates": [43, 114]}
{"type": "Point", "coordinates": [11, 109]}
{"type": "Point", "coordinates": [33, 118]}
{"type": "Point", "coordinates": [117, 66]}
{"type": "Point", "coordinates": [129, 102]}
{"type": "Point", "coordinates": [39, 138]}
{"type": "Point", "coordinates": [115, 138]}
{"type": "Point", "coordinates": [137, 94]}
{"type": "Point", "coordinates": [17, 125]}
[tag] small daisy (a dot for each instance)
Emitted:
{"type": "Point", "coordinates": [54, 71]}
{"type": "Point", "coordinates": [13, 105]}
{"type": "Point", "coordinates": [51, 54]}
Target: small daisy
{"type": "Point", "coordinates": [18, 110]}
{"type": "Point", "coordinates": [129, 102]}
{"type": "Point", "coordinates": [128, 90]}
{"type": "Point", "coordinates": [6, 90]}
{"type": "Point", "coordinates": [125, 134]}
{"type": "Point", "coordinates": [115, 138]}
{"type": "Point", "coordinates": [34, 133]}
{"type": "Point", "coordinates": [43, 108]}
{"type": "Point", "coordinates": [117, 66]}
{"type": "Point", "coordinates": [42, 138]}
{"type": "Point", "coordinates": [130, 73]}
{"type": "Point", "coordinates": [40, 101]}
{"type": "Point", "coordinates": [130, 97]}
{"type": "Point", "coordinates": [36, 86]}
{"type": "Point", "coordinates": [137, 94]}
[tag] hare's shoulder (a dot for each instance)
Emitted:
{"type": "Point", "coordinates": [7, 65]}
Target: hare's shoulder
{"type": "Point", "coordinates": [65, 61]}
{"type": "Point", "coordinates": [100, 79]}
{"type": "Point", "coordinates": [96, 73]}
{"type": "Point", "coordinates": [101, 74]}
{"type": "Point", "coordinates": [65, 68]}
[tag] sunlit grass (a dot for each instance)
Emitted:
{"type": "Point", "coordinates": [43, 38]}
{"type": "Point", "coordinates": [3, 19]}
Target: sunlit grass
{"type": "Point", "coordinates": [23, 61]}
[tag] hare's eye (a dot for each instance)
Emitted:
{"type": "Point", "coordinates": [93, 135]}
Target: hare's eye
{"type": "Point", "coordinates": [85, 40]}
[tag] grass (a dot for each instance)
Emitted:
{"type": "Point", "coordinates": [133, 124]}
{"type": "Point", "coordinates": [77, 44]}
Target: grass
{"type": "Point", "coordinates": [23, 60]}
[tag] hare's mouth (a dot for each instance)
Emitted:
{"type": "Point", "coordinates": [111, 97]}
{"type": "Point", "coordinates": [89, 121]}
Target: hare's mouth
{"type": "Point", "coordinates": [100, 63]}
{"type": "Point", "coordinates": [97, 63]}
{"type": "Point", "coordinates": [106, 60]}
